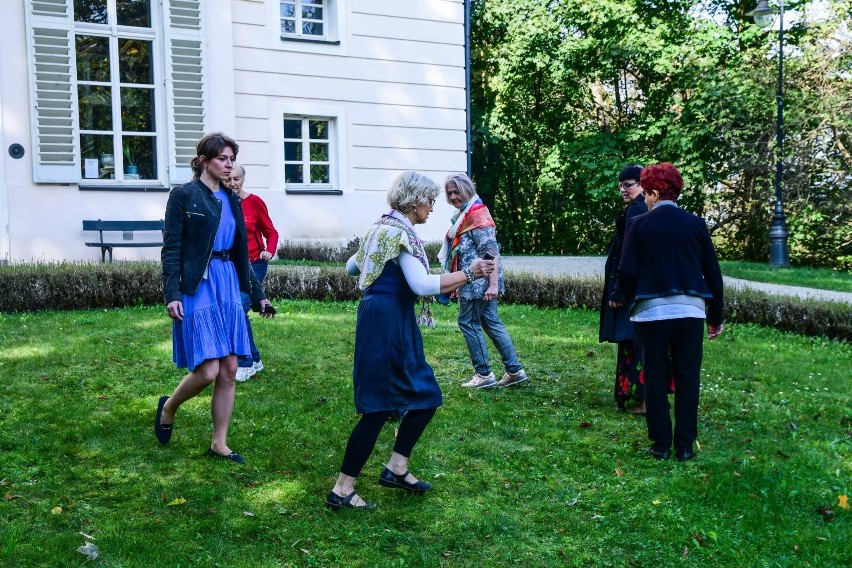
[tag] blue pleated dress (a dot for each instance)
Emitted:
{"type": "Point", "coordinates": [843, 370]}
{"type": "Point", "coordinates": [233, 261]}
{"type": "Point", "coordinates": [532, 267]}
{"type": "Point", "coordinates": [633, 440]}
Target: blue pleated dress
{"type": "Point", "coordinates": [390, 371]}
{"type": "Point", "coordinates": [214, 324]}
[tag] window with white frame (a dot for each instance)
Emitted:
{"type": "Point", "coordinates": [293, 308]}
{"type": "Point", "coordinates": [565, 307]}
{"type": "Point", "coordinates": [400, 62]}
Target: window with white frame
{"type": "Point", "coordinates": [117, 88]}
{"type": "Point", "coordinates": [117, 99]}
{"type": "Point", "coordinates": [305, 19]}
{"type": "Point", "coordinates": [308, 152]}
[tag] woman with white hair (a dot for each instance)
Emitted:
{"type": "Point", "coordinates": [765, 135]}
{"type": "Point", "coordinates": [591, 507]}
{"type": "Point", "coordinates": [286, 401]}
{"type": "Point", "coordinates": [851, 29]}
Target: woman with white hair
{"type": "Point", "coordinates": [473, 235]}
{"type": "Point", "coordinates": [390, 374]}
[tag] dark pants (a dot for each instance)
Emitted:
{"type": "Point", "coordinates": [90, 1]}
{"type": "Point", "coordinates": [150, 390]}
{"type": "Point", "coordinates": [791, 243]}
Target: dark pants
{"type": "Point", "coordinates": [366, 432]}
{"type": "Point", "coordinates": [672, 346]}
{"type": "Point", "coordinates": [260, 267]}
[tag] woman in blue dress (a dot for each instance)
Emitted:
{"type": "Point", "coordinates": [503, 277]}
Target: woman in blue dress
{"type": "Point", "coordinates": [391, 375]}
{"type": "Point", "coordinates": [205, 265]}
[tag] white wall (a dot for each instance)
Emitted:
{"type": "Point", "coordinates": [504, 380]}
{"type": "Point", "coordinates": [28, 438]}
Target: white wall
{"type": "Point", "coordinates": [398, 75]}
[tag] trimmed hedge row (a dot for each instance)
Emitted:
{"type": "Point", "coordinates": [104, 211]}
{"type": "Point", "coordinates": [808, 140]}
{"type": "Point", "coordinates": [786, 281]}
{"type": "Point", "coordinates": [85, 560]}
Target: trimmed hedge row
{"type": "Point", "coordinates": [77, 286]}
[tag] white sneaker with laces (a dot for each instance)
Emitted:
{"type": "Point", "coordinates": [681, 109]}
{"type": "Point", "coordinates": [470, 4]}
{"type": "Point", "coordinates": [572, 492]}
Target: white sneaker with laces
{"type": "Point", "coordinates": [480, 382]}
{"type": "Point", "coordinates": [258, 366]}
{"type": "Point", "coordinates": [510, 379]}
{"type": "Point", "coordinates": [245, 373]}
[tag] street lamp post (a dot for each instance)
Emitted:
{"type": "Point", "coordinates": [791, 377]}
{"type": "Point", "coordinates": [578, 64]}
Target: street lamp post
{"type": "Point", "coordinates": [779, 255]}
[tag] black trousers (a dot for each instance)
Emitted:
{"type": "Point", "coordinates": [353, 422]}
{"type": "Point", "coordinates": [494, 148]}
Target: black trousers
{"type": "Point", "coordinates": [366, 432]}
{"type": "Point", "coordinates": [672, 348]}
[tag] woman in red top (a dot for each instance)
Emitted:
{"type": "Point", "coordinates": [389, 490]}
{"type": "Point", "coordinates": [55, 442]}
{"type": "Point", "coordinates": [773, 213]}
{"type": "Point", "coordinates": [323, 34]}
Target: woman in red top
{"type": "Point", "coordinates": [262, 242]}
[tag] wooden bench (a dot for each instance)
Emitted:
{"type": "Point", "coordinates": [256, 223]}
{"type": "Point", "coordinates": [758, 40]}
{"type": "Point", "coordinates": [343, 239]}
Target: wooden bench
{"type": "Point", "coordinates": [125, 227]}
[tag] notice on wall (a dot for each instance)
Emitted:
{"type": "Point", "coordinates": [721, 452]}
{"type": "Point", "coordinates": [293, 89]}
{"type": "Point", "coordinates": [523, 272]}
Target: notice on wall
{"type": "Point", "coordinates": [91, 168]}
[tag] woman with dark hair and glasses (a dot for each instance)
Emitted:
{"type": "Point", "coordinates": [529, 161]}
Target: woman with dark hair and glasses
{"type": "Point", "coordinates": [669, 266]}
{"type": "Point", "coordinates": [615, 324]}
{"type": "Point", "coordinates": [205, 266]}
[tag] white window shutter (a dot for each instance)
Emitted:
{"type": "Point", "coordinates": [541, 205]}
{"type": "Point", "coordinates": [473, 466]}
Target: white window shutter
{"type": "Point", "coordinates": [185, 92]}
{"type": "Point", "coordinates": [53, 98]}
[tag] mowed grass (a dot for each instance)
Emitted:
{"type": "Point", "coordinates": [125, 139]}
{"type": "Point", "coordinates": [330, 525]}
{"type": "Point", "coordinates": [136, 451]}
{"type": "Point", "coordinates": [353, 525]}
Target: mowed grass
{"type": "Point", "coordinates": [822, 278]}
{"type": "Point", "coordinates": [546, 474]}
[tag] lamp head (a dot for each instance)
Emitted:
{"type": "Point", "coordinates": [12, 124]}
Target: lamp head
{"type": "Point", "coordinates": [763, 14]}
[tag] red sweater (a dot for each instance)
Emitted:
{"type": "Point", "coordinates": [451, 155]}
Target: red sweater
{"type": "Point", "coordinates": [259, 227]}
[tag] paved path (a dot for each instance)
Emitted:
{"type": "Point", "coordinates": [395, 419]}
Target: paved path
{"type": "Point", "coordinates": [593, 267]}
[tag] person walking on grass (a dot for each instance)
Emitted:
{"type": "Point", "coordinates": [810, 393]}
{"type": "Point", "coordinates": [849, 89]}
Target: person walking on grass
{"type": "Point", "coordinates": [205, 267]}
{"type": "Point", "coordinates": [390, 373]}
{"type": "Point", "coordinates": [262, 243]}
{"type": "Point", "coordinates": [473, 236]}
{"type": "Point", "coordinates": [670, 267]}
{"type": "Point", "coordinates": [615, 324]}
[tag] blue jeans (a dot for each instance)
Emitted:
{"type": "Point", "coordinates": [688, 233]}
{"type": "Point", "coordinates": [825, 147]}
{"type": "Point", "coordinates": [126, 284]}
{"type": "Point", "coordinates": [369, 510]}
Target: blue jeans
{"type": "Point", "coordinates": [478, 315]}
{"type": "Point", "coordinates": [260, 267]}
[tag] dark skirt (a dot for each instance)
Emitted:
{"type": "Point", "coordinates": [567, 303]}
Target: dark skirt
{"type": "Point", "coordinates": [629, 379]}
{"type": "Point", "coordinates": [390, 371]}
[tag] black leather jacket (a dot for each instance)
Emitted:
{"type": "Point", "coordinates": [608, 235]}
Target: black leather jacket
{"type": "Point", "coordinates": [192, 219]}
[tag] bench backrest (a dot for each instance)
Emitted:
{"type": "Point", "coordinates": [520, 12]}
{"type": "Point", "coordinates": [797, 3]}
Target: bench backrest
{"type": "Point", "coordinates": [100, 225]}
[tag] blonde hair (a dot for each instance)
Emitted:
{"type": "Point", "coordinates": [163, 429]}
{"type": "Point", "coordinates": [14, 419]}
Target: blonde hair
{"type": "Point", "coordinates": [464, 184]}
{"type": "Point", "coordinates": [410, 189]}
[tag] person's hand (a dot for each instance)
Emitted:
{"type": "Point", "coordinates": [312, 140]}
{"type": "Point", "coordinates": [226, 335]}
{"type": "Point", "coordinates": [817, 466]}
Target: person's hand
{"type": "Point", "coordinates": [263, 312]}
{"type": "Point", "coordinates": [614, 305]}
{"type": "Point", "coordinates": [490, 293]}
{"type": "Point", "coordinates": [175, 310]}
{"type": "Point", "coordinates": [482, 268]}
{"type": "Point", "coordinates": [714, 331]}
{"type": "Point", "coordinates": [266, 255]}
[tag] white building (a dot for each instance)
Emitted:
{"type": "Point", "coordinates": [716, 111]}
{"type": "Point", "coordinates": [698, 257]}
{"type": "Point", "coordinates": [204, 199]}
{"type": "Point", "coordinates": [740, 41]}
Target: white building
{"type": "Point", "coordinates": [103, 100]}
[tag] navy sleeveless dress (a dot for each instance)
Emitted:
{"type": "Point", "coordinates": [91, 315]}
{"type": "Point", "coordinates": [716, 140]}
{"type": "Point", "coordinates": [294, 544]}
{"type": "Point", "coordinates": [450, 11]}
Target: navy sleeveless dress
{"type": "Point", "coordinates": [390, 371]}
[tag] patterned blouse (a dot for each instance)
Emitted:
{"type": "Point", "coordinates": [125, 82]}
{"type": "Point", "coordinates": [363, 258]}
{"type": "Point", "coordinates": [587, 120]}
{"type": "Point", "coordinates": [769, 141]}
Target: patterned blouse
{"type": "Point", "coordinates": [472, 246]}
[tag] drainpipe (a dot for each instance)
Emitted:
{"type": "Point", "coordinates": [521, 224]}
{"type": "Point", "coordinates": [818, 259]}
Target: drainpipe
{"type": "Point", "coordinates": [468, 149]}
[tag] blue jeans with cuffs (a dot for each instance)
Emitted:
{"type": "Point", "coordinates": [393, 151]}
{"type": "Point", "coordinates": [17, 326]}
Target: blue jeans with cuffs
{"type": "Point", "coordinates": [476, 316]}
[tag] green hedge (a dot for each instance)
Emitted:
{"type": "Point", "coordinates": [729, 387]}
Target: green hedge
{"type": "Point", "coordinates": [71, 286]}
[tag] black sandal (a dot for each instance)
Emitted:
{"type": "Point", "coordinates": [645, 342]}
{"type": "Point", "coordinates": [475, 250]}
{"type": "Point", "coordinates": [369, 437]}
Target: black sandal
{"type": "Point", "coordinates": [390, 479]}
{"type": "Point", "coordinates": [336, 502]}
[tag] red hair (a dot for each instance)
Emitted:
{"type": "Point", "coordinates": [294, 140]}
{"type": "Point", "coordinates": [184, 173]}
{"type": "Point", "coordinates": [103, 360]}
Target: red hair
{"type": "Point", "coordinates": [664, 179]}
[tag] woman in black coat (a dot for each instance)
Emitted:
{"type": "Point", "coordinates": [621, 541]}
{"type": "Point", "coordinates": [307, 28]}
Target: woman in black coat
{"type": "Point", "coordinates": [615, 324]}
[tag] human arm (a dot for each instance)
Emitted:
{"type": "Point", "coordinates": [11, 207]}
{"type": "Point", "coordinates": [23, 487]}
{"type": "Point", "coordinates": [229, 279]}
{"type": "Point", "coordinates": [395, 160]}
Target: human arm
{"type": "Point", "coordinates": [170, 255]}
{"type": "Point", "coordinates": [352, 266]}
{"type": "Point", "coordinates": [627, 267]}
{"type": "Point", "coordinates": [267, 230]}
{"type": "Point", "coordinates": [424, 284]}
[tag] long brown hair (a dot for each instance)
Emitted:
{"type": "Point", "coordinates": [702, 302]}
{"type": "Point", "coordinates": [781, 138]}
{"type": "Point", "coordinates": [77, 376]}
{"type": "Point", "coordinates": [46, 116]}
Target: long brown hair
{"type": "Point", "coordinates": [209, 147]}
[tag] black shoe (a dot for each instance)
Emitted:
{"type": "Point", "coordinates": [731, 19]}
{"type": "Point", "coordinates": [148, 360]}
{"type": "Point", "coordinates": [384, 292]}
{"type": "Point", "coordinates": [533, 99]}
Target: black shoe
{"type": "Point", "coordinates": [683, 455]}
{"type": "Point", "coordinates": [233, 456]}
{"type": "Point", "coordinates": [163, 432]}
{"type": "Point", "coordinates": [659, 454]}
{"type": "Point", "coordinates": [336, 502]}
{"type": "Point", "coordinates": [390, 479]}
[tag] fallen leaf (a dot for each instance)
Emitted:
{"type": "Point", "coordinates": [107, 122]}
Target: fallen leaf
{"type": "Point", "coordinates": [163, 497]}
{"type": "Point", "coordinates": [89, 550]}
{"type": "Point", "coordinates": [12, 497]}
{"type": "Point", "coordinates": [656, 502]}
{"type": "Point", "coordinates": [585, 424]}
{"type": "Point", "coordinates": [826, 512]}
{"type": "Point", "coordinates": [88, 537]}
{"type": "Point", "coordinates": [102, 397]}
{"type": "Point", "coordinates": [796, 548]}
{"type": "Point", "coordinates": [843, 501]}
{"type": "Point", "coordinates": [248, 513]}
{"type": "Point", "coordinates": [56, 510]}
{"type": "Point", "coordinates": [211, 510]}
{"type": "Point", "coordinates": [618, 472]}
{"type": "Point", "coordinates": [178, 501]}
{"type": "Point", "coordinates": [737, 474]}
{"type": "Point", "coordinates": [685, 551]}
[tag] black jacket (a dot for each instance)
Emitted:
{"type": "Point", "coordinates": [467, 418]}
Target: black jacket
{"type": "Point", "coordinates": [615, 324]}
{"type": "Point", "coordinates": [192, 219]}
{"type": "Point", "coordinates": [668, 252]}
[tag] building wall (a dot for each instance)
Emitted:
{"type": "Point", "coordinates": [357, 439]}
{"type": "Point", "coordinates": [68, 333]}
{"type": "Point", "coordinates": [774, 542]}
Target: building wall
{"type": "Point", "coordinates": [397, 78]}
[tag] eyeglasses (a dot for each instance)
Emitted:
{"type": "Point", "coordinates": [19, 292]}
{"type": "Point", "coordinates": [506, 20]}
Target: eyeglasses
{"type": "Point", "coordinates": [627, 185]}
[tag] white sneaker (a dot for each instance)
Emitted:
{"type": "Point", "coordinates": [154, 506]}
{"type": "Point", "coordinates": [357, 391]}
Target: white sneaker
{"type": "Point", "coordinates": [258, 366]}
{"type": "Point", "coordinates": [245, 373]}
{"type": "Point", "coordinates": [510, 379]}
{"type": "Point", "coordinates": [480, 382]}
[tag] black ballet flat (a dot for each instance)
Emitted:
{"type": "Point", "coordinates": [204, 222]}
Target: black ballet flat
{"type": "Point", "coordinates": [233, 456]}
{"type": "Point", "coordinates": [390, 479]}
{"type": "Point", "coordinates": [336, 502]}
{"type": "Point", "coordinates": [163, 432]}
{"type": "Point", "coordinates": [683, 454]}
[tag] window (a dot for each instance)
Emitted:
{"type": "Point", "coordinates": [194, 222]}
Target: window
{"type": "Point", "coordinates": [307, 152]}
{"type": "Point", "coordinates": [307, 19]}
{"type": "Point", "coordinates": [116, 98]}
{"type": "Point", "coordinates": [117, 88]}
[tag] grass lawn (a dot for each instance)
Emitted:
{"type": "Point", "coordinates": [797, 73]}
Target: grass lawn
{"type": "Point", "coordinates": [822, 278]}
{"type": "Point", "coordinates": [546, 474]}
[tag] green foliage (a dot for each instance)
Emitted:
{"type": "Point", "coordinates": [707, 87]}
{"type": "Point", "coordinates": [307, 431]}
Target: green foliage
{"type": "Point", "coordinates": [565, 93]}
{"type": "Point", "coordinates": [807, 277]}
{"type": "Point", "coordinates": [546, 474]}
{"type": "Point", "coordinates": [324, 252]}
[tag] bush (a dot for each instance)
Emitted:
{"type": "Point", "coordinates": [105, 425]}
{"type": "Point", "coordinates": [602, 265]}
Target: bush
{"type": "Point", "coordinates": [72, 286]}
{"type": "Point", "coordinates": [318, 251]}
